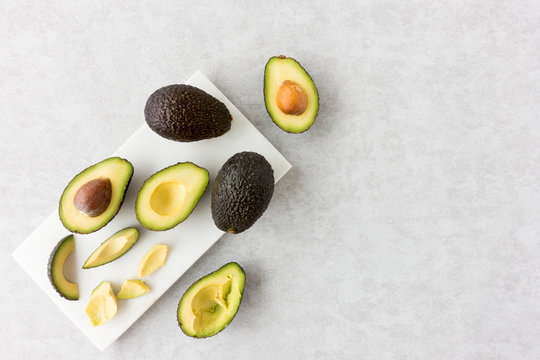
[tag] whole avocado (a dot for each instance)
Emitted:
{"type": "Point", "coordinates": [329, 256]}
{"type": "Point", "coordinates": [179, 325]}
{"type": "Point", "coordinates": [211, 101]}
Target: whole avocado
{"type": "Point", "coordinates": [242, 191]}
{"type": "Point", "coordinates": [186, 113]}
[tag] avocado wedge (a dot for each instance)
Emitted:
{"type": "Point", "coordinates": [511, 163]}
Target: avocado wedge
{"type": "Point", "coordinates": [102, 304]}
{"type": "Point", "coordinates": [55, 269]}
{"type": "Point", "coordinates": [132, 288]}
{"type": "Point", "coordinates": [152, 260]}
{"type": "Point", "coordinates": [290, 95]}
{"type": "Point", "coordinates": [94, 196]}
{"type": "Point", "coordinates": [169, 196]}
{"type": "Point", "coordinates": [112, 248]}
{"type": "Point", "coordinates": [210, 304]}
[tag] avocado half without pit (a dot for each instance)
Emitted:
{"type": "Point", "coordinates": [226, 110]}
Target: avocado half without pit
{"type": "Point", "coordinates": [210, 304]}
{"type": "Point", "coordinates": [55, 269]}
{"type": "Point", "coordinates": [169, 196]}
{"type": "Point", "coordinates": [290, 95]}
{"type": "Point", "coordinates": [94, 196]}
{"type": "Point", "coordinates": [186, 113]}
{"type": "Point", "coordinates": [112, 248]}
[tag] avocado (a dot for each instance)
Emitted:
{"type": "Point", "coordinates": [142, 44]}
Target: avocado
{"type": "Point", "coordinates": [242, 191]}
{"type": "Point", "coordinates": [152, 260]}
{"type": "Point", "coordinates": [290, 95]}
{"type": "Point", "coordinates": [186, 113]}
{"type": "Point", "coordinates": [55, 269]}
{"type": "Point", "coordinates": [112, 248]}
{"type": "Point", "coordinates": [94, 196]}
{"type": "Point", "coordinates": [210, 304]}
{"type": "Point", "coordinates": [132, 288]}
{"type": "Point", "coordinates": [102, 305]}
{"type": "Point", "coordinates": [170, 195]}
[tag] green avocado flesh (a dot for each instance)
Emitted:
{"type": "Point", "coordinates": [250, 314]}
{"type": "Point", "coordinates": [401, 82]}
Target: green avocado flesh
{"type": "Point", "coordinates": [169, 196]}
{"type": "Point", "coordinates": [210, 304]}
{"type": "Point", "coordinates": [112, 248]}
{"type": "Point", "coordinates": [77, 212]}
{"type": "Point", "coordinates": [55, 269]}
{"type": "Point", "coordinates": [242, 191]}
{"type": "Point", "coordinates": [281, 69]}
{"type": "Point", "coordinates": [186, 113]}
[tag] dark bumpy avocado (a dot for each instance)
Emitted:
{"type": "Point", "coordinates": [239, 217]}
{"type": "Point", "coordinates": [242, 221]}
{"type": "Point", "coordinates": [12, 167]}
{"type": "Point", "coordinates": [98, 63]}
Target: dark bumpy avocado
{"type": "Point", "coordinates": [170, 195]}
{"type": "Point", "coordinates": [94, 196]}
{"type": "Point", "coordinates": [186, 113]}
{"type": "Point", "coordinates": [210, 304]}
{"type": "Point", "coordinates": [55, 269]}
{"type": "Point", "coordinates": [242, 191]}
{"type": "Point", "coordinates": [291, 97]}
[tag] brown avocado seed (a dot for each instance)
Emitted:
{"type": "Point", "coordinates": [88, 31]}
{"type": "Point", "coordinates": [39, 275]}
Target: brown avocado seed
{"type": "Point", "coordinates": [93, 198]}
{"type": "Point", "coordinates": [291, 98]}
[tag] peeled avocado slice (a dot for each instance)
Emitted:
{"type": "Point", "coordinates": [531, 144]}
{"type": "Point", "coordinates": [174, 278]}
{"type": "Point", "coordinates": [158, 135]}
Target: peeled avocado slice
{"type": "Point", "coordinates": [132, 289]}
{"type": "Point", "coordinates": [94, 196]}
{"type": "Point", "coordinates": [102, 304]}
{"type": "Point", "coordinates": [290, 95]}
{"type": "Point", "coordinates": [169, 196]}
{"type": "Point", "coordinates": [210, 304]}
{"type": "Point", "coordinates": [153, 260]}
{"type": "Point", "coordinates": [112, 248]}
{"type": "Point", "coordinates": [55, 269]}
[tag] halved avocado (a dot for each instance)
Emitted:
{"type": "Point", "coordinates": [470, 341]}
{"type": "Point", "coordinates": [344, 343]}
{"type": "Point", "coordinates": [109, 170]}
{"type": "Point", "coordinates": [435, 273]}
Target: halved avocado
{"type": "Point", "coordinates": [112, 248]}
{"type": "Point", "coordinates": [210, 304]}
{"type": "Point", "coordinates": [152, 260]}
{"type": "Point", "coordinates": [290, 95]}
{"type": "Point", "coordinates": [55, 269]}
{"type": "Point", "coordinates": [94, 196]}
{"type": "Point", "coordinates": [132, 288]}
{"type": "Point", "coordinates": [102, 305]}
{"type": "Point", "coordinates": [170, 195]}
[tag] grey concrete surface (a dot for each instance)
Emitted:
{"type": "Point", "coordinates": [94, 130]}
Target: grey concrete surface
{"type": "Point", "coordinates": [409, 227]}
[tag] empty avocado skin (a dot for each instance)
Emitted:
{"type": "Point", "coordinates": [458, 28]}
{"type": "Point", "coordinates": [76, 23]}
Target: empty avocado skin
{"type": "Point", "coordinates": [186, 113]}
{"type": "Point", "coordinates": [242, 191]}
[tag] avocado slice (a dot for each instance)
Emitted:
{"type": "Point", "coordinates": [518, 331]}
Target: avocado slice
{"type": "Point", "coordinates": [94, 196]}
{"type": "Point", "coordinates": [112, 248]}
{"type": "Point", "coordinates": [152, 260]}
{"type": "Point", "coordinates": [290, 95]}
{"type": "Point", "coordinates": [169, 196]}
{"type": "Point", "coordinates": [242, 191]}
{"type": "Point", "coordinates": [186, 113]}
{"type": "Point", "coordinates": [210, 304]}
{"type": "Point", "coordinates": [132, 288]}
{"type": "Point", "coordinates": [55, 269]}
{"type": "Point", "coordinates": [102, 305]}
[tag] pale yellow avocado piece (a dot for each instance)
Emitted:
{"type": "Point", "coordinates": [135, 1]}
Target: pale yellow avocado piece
{"type": "Point", "coordinates": [132, 289]}
{"type": "Point", "coordinates": [112, 248]}
{"type": "Point", "coordinates": [102, 304]}
{"type": "Point", "coordinates": [153, 260]}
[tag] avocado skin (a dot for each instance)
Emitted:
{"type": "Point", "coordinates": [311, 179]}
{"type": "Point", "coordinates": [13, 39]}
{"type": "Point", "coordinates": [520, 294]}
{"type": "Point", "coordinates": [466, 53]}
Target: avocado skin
{"type": "Point", "coordinates": [50, 267]}
{"type": "Point", "coordinates": [185, 113]}
{"type": "Point", "coordinates": [242, 191]}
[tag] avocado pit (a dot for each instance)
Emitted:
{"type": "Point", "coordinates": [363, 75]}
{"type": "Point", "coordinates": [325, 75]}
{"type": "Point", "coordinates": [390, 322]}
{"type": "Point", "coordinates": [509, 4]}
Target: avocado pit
{"type": "Point", "coordinates": [94, 197]}
{"type": "Point", "coordinates": [292, 98]}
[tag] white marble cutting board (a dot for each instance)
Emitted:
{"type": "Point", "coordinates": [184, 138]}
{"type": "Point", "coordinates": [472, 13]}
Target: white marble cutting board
{"type": "Point", "coordinates": [148, 153]}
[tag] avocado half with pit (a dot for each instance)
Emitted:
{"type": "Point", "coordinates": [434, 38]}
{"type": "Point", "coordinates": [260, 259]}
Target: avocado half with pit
{"type": "Point", "coordinates": [169, 196]}
{"type": "Point", "coordinates": [210, 304]}
{"type": "Point", "coordinates": [55, 269]}
{"type": "Point", "coordinates": [94, 196]}
{"type": "Point", "coordinates": [290, 95]}
{"type": "Point", "coordinates": [112, 248]}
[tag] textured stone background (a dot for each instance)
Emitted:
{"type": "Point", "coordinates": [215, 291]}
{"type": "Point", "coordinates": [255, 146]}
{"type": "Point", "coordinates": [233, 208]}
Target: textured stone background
{"type": "Point", "coordinates": [409, 227]}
